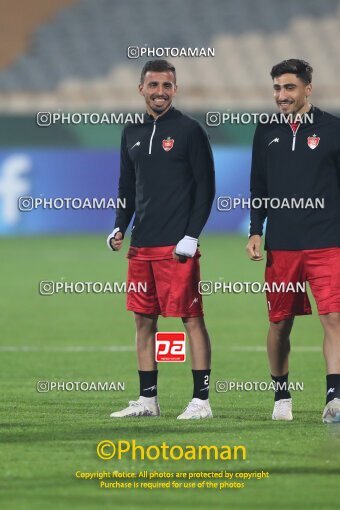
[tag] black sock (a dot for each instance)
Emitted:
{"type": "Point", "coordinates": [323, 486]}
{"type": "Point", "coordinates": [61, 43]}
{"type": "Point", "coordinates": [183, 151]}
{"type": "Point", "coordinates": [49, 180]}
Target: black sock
{"type": "Point", "coordinates": [201, 383]}
{"type": "Point", "coordinates": [333, 387]}
{"type": "Point", "coordinates": [148, 383]}
{"type": "Point", "coordinates": [281, 386]}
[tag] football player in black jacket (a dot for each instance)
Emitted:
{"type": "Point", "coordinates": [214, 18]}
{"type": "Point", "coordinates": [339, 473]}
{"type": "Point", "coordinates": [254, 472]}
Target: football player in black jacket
{"type": "Point", "coordinates": [167, 180]}
{"type": "Point", "coordinates": [299, 161]}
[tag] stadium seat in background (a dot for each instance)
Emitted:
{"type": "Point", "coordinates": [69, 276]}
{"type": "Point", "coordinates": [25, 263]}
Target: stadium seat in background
{"type": "Point", "coordinates": [20, 20]}
{"type": "Point", "coordinates": [75, 51]}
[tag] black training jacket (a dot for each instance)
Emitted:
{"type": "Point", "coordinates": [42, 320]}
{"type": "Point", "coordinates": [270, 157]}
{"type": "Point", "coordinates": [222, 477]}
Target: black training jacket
{"type": "Point", "coordinates": [167, 178]}
{"type": "Point", "coordinates": [306, 165]}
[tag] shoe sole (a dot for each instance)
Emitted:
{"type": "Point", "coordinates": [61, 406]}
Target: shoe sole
{"type": "Point", "coordinates": [143, 416]}
{"type": "Point", "coordinates": [135, 416]}
{"type": "Point", "coordinates": [282, 419]}
{"type": "Point", "coordinates": [196, 418]}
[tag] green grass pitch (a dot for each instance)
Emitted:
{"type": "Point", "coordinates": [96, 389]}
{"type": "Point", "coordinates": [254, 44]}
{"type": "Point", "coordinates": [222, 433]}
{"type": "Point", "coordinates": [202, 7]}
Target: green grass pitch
{"type": "Point", "coordinates": [47, 437]}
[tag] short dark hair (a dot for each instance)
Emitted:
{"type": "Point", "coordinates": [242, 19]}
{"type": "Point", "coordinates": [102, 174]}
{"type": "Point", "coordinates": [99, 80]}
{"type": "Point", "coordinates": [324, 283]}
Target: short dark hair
{"type": "Point", "coordinates": [301, 68]}
{"type": "Point", "coordinates": [157, 66]}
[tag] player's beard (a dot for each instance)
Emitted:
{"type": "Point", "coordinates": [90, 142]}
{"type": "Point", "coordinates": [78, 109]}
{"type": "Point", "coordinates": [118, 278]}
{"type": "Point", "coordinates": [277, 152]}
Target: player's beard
{"type": "Point", "coordinates": [296, 108]}
{"type": "Point", "coordinates": [159, 109]}
{"type": "Point", "coordinates": [283, 110]}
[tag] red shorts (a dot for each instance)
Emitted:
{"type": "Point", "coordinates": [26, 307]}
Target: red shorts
{"type": "Point", "coordinates": [171, 285]}
{"type": "Point", "coordinates": [320, 268]}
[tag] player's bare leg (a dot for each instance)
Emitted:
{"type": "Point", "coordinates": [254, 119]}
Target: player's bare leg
{"type": "Point", "coordinates": [147, 403]}
{"type": "Point", "coordinates": [200, 351]}
{"type": "Point", "coordinates": [331, 345]}
{"type": "Point", "coordinates": [199, 342]}
{"type": "Point", "coordinates": [278, 348]}
{"type": "Point", "coordinates": [331, 350]}
{"type": "Point", "coordinates": [146, 328]}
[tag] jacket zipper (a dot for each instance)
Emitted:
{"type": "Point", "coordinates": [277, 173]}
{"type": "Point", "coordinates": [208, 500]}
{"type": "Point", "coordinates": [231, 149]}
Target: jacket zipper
{"type": "Point", "coordinates": [153, 132]}
{"type": "Point", "coordinates": [294, 137]}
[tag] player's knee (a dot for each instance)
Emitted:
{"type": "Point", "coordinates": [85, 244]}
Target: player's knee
{"type": "Point", "coordinates": [331, 320]}
{"type": "Point", "coordinates": [194, 325]}
{"type": "Point", "coordinates": [281, 329]}
{"type": "Point", "coordinates": [145, 324]}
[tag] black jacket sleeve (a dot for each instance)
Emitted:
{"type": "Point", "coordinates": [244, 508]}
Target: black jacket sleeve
{"type": "Point", "coordinates": [202, 164]}
{"type": "Point", "coordinates": [126, 188]}
{"type": "Point", "coordinates": [258, 184]}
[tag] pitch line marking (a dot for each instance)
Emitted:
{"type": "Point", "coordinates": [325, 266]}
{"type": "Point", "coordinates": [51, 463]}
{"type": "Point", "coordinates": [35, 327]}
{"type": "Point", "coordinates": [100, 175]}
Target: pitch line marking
{"type": "Point", "coordinates": [74, 348]}
{"type": "Point", "coordinates": [132, 348]}
{"type": "Point", "coordinates": [262, 348]}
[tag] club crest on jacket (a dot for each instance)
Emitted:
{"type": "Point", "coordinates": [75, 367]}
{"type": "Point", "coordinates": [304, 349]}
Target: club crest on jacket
{"type": "Point", "coordinates": [313, 141]}
{"type": "Point", "coordinates": [168, 144]}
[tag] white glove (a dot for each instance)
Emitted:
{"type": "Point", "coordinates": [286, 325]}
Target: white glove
{"type": "Point", "coordinates": [187, 246]}
{"type": "Point", "coordinates": [111, 236]}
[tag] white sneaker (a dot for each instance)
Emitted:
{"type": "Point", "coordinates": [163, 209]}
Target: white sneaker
{"type": "Point", "coordinates": [283, 410]}
{"type": "Point", "coordinates": [142, 407]}
{"type": "Point", "coordinates": [196, 410]}
{"type": "Point", "coordinates": [331, 413]}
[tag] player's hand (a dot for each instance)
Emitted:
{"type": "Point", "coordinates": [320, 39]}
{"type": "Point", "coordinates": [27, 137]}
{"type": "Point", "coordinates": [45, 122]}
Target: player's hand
{"type": "Point", "coordinates": [181, 258]}
{"type": "Point", "coordinates": [186, 247]}
{"type": "Point", "coordinates": [115, 240]}
{"type": "Point", "coordinates": [254, 248]}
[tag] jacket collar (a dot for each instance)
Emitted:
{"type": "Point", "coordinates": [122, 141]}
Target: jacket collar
{"type": "Point", "coordinates": [314, 113]}
{"type": "Point", "coordinates": [317, 114]}
{"type": "Point", "coordinates": [313, 116]}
